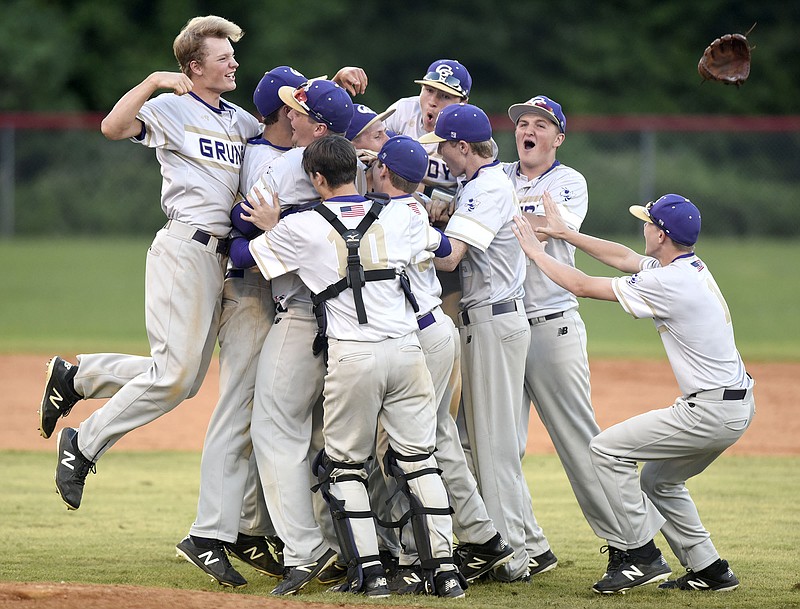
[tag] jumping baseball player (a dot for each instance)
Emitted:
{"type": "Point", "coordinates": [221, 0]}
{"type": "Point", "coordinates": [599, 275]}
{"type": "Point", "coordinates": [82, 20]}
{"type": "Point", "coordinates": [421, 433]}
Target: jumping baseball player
{"type": "Point", "coordinates": [675, 288]}
{"type": "Point", "coordinates": [375, 366]}
{"type": "Point", "coordinates": [199, 140]}
{"type": "Point", "coordinates": [400, 167]}
{"type": "Point", "coordinates": [493, 329]}
{"type": "Point", "coordinates": [557, 365]}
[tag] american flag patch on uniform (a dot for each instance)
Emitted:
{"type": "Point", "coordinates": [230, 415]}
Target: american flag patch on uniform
{"type": "Point", "coordinates": [351, 211]}
{"type": "Point", "coordinates": [415, 208]}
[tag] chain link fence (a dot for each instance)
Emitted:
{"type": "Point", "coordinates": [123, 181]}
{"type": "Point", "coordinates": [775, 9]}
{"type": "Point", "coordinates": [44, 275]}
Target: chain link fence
{"type": "Point", "coordinates": [59, 175]}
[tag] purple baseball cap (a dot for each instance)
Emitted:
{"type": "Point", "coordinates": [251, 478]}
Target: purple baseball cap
{"type": "Point", "coordinates": [675, 215]}
{"type": "Point", "coordinates": [542, 105]}
{"type": "Point", "coordinates": [406, 157]}
{"type": "Point", "coordinates": [363, 118]}
{"type": "Point", "coordinates": [460, 122]}
{"type": "Point", "coordinates": [266, 97]}
{"type": "Point", "coordinates": [322, 100]}
{"type": "Point", "coordinates": [448, 75]}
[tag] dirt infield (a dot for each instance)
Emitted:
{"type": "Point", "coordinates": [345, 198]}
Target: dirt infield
{"type": "Point", "coordinates": [620, 388]}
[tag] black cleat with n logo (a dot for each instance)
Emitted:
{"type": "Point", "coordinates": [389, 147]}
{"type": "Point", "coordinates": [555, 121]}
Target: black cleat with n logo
{"type": "Point", "coordinates": [59, 394]}
{"type": "Point", "coordinates": [210, 556]}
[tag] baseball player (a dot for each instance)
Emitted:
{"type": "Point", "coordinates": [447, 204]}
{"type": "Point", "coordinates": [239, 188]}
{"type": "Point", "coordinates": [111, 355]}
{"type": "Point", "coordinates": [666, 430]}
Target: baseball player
{"type": "Point", "coordinates": [231, 506]}
{"type": "Point", "coordinates": [446, 82]}
{"type": "Point", "coordinates": [289, 377]}
{"type": "Point", "coordinates": [400, 167]}
{"type": "Point", "coordinates": [199, 140]}
{"type": "Point", "coordinates": [494, 332]}
{"type": "Point", "coordinates": [557, 365]}
{"type": "Point", "coordinates": [674, 287]}
{"type": "Point", "coordinates": [375, 366]}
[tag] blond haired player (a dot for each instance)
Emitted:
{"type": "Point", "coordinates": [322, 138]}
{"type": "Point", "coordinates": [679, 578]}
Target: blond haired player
{"type": "Point", "coordinates": [199, 140]}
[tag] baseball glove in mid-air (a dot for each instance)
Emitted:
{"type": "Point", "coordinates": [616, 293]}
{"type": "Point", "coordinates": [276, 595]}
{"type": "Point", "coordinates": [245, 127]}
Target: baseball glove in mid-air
{"type": "Point", "coordinates": [726, 60]}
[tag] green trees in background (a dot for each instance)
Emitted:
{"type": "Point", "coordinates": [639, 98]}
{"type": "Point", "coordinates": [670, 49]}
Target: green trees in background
{"type": "Point", "coordinates": [625, 57]}
{"type": "Point", "coordinates": [632, 56]}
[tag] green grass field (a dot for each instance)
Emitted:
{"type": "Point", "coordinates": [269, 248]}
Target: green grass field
{"type": "Point", "coordinates": [84, 295]}
{"type": "Point", "coordinates": [139, 505]}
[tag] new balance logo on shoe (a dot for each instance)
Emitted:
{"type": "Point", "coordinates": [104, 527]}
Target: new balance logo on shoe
{"type": "Point", "coordinates": [253, 553]}
{"type": "Point", "coordinates": [68, 459]}
{"type": "Point", "coordinates": [476, 563]}
{"type": "Point", "coordinates": [632, 572]}
{"type": "Point", "coordinates": [208, 558]}
{"type": "Point", "coordinates": [412, 578]}
{"type": "Point", "coordinates": [450, 584]}
{"type": "Point", "coordinates": [698, 584]}
{"type": "Point", "coordinates": [56, 399]}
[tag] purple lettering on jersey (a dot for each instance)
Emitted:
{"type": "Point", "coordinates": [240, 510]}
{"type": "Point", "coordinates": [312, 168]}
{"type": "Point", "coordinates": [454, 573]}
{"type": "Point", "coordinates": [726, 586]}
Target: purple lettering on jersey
{"type": "Point", "coordinates": [221, 152]}
{"type": "Point", "coordinates": [206, 148]}
{"type": "Point", "coordinates": [433, 168]}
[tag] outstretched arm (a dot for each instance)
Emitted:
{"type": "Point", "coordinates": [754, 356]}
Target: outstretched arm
{"type": "Point", "coordinates": [613, 254]}
{"type": "Point", "coordinates": [121, 123]}
{"type": "Point", "coordinates": [568, 277]}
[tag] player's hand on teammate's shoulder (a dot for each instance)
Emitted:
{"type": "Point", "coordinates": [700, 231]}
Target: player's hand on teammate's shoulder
{"type": "Point", "coordinates": [351, 79]}
{"type": "Point", "coordinates": [177, 81]}
{"type": "Point", "coordinates": [259, 211]}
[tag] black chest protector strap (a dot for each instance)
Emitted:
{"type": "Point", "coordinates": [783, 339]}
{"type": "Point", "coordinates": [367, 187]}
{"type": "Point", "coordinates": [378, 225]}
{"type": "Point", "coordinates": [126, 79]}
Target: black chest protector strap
{"type": "Point", "coordinates": [355, 276]}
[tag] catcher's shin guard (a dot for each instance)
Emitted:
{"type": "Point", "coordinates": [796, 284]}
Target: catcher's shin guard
{"type": "Point", "coordinates": [354, 537]}
{"type": "Point", "coordinates": [419, 480]}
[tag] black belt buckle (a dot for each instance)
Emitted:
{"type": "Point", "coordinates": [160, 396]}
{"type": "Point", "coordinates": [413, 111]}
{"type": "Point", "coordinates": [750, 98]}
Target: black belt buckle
{"type": "Point", "coordinates": [235, 273]}
{"type": "Point", "coordinates": [734, 394]}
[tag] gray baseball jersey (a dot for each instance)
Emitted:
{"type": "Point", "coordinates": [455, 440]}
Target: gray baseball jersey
{"type": "Point", "coordinates": [483, 217]}
{"type": "Point", "coordinates": [557, 364]}
{"type": "Point", "coordinates": [200, 151]}
{"type": "Point", "coordinates": [678, 442]}
{"type": "Point", "coordinates": [494, 337]}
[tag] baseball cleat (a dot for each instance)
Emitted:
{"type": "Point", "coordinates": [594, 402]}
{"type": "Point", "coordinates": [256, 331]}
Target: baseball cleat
{"type": "Point", "coordinates": [473, 560]}
{"type": "Point", "coordinates": [296, 577]}
{"type": "Point", "coordinates": [374, 584]}
{"type": "Point", "coordinates": [209, 555]}
{"type": "Point", "coordinates": [632, 573]}
{"type": "Point", "coordinates": [717, 577]}
{"type": "Point", "coordinates": [71, 469]}
{"type": "Point", "coordinates": [254, 551]}
{"type": "Point", "coordinates": [408, 580]}
{"type": "Point", "coordinates": [59, 395]}
{"type": "Point", "coordinates": [542, 563]}
{"type": "Point", "coordinates": [449, 584]}
{"type": "Point", "coordinates": [332, 575]}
